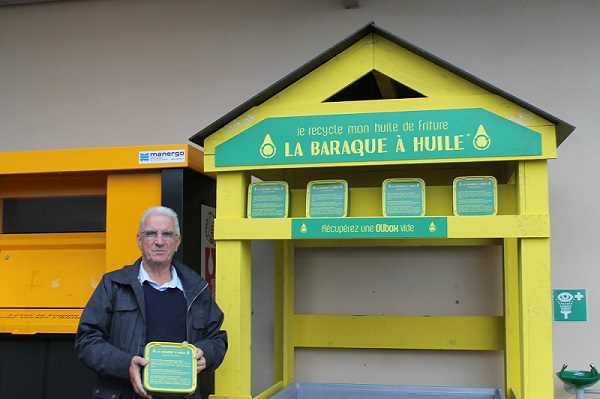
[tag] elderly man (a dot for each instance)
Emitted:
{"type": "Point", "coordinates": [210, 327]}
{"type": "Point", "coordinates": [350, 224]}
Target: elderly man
{"type": "Point", "coordinates": [155, 299]}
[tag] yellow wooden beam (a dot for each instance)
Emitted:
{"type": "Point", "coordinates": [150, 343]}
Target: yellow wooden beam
{"type": "Point", "coordinates": [234, 296]}
{"type": "Point", "coordinates": [331, 77]}
{"type": "Point", "coordinates": [288, 313]}
{"type": "Point", "coordinates": [512, 317]}
{"type": "Point", "coordinates": [459, 227]}
{"type": "Point", "coordinates": [499, 226]}
{"type": "Point", "coordinates": [399, 332]}
{"type": "Point", "coordinates": [234, 290]}
{"type": "Point", "coordinates": [535, 311]}
{"type": "Point", "coordinates": [421, 75]}
{"type": "Point", "coordinates": [278, 311]}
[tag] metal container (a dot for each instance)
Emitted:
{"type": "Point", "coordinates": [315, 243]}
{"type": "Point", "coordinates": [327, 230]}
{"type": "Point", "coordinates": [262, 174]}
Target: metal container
{"type": "Point", "coordinates": [366, 391]}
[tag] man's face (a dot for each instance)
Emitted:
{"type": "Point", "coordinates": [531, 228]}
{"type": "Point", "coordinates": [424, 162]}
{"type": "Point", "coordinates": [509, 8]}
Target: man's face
{"type": "Point", "coordinates": [154, 241]}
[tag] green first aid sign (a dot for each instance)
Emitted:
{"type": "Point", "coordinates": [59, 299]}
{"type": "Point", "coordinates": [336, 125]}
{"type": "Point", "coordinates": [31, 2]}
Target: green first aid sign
{"type": "Point", "coordinates": [570, 305]}
{"type": "Point", "coordinates": [378, 136]}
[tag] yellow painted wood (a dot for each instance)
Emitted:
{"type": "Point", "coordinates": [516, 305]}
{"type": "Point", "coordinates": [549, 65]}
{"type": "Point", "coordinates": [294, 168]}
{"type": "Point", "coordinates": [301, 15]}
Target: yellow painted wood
{"type": "Point", "coordinates": [499, 226]}
{"type": "Point", "coordinates": [234, 297]}
{"type": "Point", "coordinates": [232, 194]}
{"type": "Point", "coordinates": [512, 317]}
{"type": "Point", "coordinates": [400, 332]}
{"type": "Point", "coordinates": [417, 73]}
{"type": "Point", "coordinates": [128, 196]}
{"type": "Point", "coordinates": [465, 227]}
{"type": "Point", "coordinates": [413, 242]}
{"type": "Point", "coordinates": [218, 396]}
{"type": "Point", "coordinates": [536, 319]}
{"type": "Point", "coordinates": [272, 390]}
{"type": "Point", "coordinates": [283, 312]}
{"type": "Point", "coordinates": [278, 310]}
{"type": "Point", "coordinates": [288, 314]}
{"type": "Point", "coordinates": [347, 67]}
{"type": "Point", "coordinates": [535, 289]}
{"type": "Point", "coordinates": [253, 229]}
{"type": "Point", "coordinates": [234, 287]}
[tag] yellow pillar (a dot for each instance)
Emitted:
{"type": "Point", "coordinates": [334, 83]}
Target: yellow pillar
{"type": "Point", "coordinates": [512, 319]}
{"type": "Point", "coordinates": [288, 314]}
{"type": "Point", "coordinates": [234, 289]}
{"type": "Point", "coordinates": [535, 288]}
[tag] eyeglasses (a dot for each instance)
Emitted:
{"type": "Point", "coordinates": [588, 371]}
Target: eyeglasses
{"type": "Point", "coordinates": [152, 235]}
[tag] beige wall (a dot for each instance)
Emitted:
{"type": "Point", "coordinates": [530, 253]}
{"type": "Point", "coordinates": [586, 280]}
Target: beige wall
{"type": "Point", "coordinates": [96, 73]}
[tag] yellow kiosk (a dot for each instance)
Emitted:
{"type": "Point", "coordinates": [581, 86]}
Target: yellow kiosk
{"type": "Point", "coordinates": [371, 107]}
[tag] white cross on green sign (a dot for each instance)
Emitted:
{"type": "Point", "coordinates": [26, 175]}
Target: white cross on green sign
{"type": "Point", "coordinates": [570, 305]}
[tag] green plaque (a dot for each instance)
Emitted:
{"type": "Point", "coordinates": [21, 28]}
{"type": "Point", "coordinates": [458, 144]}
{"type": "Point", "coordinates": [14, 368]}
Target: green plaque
{"type": "Point", "coordinates": [327, 198]}
{"type": "Point", "coordinates": [171, 369]}
{"type": "Point", "coordinates": [570, 305]}
{"type": "Point", "coordinates": [268, 200]}
{"type": "Point", "coordinates": [403, 197]}
{"type": "Point", "coordinates": [367, 228]}
{"type": "Point", "coordinates": [378, 136]}
{"type": "Point", "coordinates": [475, 196]}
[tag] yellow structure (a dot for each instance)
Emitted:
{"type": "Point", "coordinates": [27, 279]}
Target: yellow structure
{"type": "Point", "coordinates": [370, 108]}
{"type": "Point", "coordinates": [55, 257]}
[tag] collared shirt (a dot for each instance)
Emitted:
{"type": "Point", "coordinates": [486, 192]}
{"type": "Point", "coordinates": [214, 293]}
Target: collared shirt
{"type": "Point", "coordinates": [174, 283]}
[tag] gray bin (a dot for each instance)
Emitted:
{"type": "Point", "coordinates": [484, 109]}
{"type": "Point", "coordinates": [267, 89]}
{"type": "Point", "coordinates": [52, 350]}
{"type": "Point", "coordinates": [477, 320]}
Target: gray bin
{"type": "Point", "coordinates": [367, 391]}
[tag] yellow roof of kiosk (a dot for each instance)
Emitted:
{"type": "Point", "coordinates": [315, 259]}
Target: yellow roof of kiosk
{"type": "Point", "coordinates": [376, 99]}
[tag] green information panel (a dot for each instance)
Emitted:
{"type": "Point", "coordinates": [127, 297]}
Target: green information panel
{"type": "Point", "coordinates": [403, 197]}
{"type": "Point", "coordinates": [171, 369]}
{"type": "Point", "coordinates": [378, 136]}
{"type": "Point", "coordinates": [268, 200]}
{"type": "Point", "coordinates": [475, 196]}
{"type": "Point", "coordinates": [399, 227]}
{"type": "Point", "coordinates": [570, 305]}
{"type": "Point", "coordinates": [327, 198]}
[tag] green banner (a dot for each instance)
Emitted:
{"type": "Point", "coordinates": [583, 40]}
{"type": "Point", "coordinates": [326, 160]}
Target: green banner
{"type": "Point", "coordinates": [380, 136]}
{"type": "Point", "coordinates": [391, 227]}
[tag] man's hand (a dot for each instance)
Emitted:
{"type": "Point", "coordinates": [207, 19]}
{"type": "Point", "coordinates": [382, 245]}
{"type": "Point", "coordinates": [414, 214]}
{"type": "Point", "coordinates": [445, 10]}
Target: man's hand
{"type": "Point", "coordinates": [200, 360]}
{"type": "Point", "coordinates": [135, 376]}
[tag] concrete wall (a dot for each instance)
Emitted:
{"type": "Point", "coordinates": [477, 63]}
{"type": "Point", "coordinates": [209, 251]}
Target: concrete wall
{"type": "Point", "coordinates": [96, 73]}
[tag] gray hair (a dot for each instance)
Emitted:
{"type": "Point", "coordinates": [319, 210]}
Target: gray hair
{"type": "Point", "coordinates": [160, 211]}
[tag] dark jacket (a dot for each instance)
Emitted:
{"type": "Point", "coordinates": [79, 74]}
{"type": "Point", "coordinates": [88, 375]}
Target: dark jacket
{"type": "Point", "coordinates": [112, 328]}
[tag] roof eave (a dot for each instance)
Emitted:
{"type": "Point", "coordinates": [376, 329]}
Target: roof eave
{"type": "Point", "coordinates": [563, 129]}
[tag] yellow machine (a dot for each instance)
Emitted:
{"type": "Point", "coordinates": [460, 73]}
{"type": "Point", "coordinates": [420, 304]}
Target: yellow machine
{"type": "Point", "coordinates": [67, 217]}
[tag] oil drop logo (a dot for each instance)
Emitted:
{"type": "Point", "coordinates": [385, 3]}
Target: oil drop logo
{"type": "Point", "coordinates": [432, 228]}
{"type": "Point", "coordinates": [482, 140]}
{"type": "Point", "coordinates": [267, 148]}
